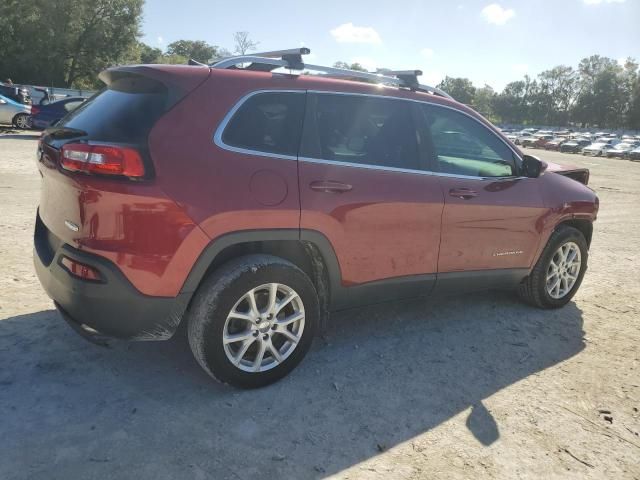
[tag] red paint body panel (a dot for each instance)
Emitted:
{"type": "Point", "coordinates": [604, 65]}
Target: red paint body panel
{"type": "Point", "coordinates": [498, 228]}
{"type": "Point", "coordinates": [387, 226]}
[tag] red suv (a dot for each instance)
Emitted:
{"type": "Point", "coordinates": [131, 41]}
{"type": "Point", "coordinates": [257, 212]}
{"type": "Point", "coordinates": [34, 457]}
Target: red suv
{"type": "Point", "coordinates": [251, 202]}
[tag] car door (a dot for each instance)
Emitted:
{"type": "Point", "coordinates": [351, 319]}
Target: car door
{"type": "Point", "coordinates": [363, 186]}
{"type": "Point", "coordinates": [6, 110]}
{"type": "Point", "coordinates": [492, 217]}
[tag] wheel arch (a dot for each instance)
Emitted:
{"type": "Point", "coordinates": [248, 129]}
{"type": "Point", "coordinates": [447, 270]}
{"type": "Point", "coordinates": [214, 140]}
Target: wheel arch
{"type": "Point", "coordinates": [309, 250]}
{"type": "Point", "coordinates": [584, 226]}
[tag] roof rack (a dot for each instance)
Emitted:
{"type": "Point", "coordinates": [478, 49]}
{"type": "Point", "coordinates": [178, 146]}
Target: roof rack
{"type": "Point", "coordinates": [292, 59]}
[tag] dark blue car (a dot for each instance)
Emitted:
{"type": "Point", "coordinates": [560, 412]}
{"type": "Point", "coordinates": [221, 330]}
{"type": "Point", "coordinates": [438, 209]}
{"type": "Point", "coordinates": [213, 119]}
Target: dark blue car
{"type": "Point", "coordinates": [45, 115]}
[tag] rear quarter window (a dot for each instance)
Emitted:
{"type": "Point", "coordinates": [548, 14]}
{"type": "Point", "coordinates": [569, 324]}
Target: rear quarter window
{"type": "Point", "coordinates": [269, 122]}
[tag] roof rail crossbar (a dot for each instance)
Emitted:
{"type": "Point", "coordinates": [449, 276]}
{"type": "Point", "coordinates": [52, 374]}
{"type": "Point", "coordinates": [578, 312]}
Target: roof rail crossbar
{"type": "Point", "coordinates": [292, 59]}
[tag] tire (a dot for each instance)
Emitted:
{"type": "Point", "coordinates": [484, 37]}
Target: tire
{"type": "Point", "coordinates": [534, 289]}
{"type": "Point", "coordinates": [22, 121]}
{"type": "Point", "coordinates": [228, 288]}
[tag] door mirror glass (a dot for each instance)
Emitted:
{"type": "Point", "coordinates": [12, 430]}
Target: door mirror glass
{"type": "Point", "coordinates": [532, 167]}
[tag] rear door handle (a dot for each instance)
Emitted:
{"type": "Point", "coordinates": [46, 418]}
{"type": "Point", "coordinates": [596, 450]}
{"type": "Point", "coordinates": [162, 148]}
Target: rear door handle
{"type": "Point", "coordinates": [330, 186]}
{"type": "Point", "coordinates": [463, 193]}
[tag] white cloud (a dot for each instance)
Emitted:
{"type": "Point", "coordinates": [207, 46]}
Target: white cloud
{"type": "Point", "coordinates": [427, 52]}
{"type": "Point", "coordinates": [598, 2]}
{"type": "Point", "coordinates": [349, 33]}
{"type": "Point", "coordinates": [497, 15]}
{"type": "Point", "coordinates": [160, 40]}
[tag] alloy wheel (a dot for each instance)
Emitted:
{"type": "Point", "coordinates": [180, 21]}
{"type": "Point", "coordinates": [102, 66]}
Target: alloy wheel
{"type": "Point", "coordinates": [264, 327]}
{"type": "Point", "coordinates": [563, 270]}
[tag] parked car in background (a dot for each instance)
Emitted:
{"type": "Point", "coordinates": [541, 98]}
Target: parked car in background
{"type": "Point", "coordinates": [575, 146]}
{"type": "Point", "coordinates": [555, 143]}
{"type": "Point", "coordinates": [537, 140]}
{"type": "Point", "coordinates": [16, 93]}
{"type": "Point", "coordinates": [542, 141]}
{"type": "Point", "coordinates": [621, 150]}
{"type": "Point", "coordinates": [43, 116]}
{"type": "Point", "coordinates": [14, 113]}
{"type": "Point", "coordinates": [138, 230]}
{"type": "Point", "coordinates": [634, 154]}
{"type": "Point", "coordinates": [599, 147]}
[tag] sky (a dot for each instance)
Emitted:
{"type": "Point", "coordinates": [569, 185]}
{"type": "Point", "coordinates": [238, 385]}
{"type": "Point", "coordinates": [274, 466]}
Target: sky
{"type": "Point", "coordinates": [489, 43]}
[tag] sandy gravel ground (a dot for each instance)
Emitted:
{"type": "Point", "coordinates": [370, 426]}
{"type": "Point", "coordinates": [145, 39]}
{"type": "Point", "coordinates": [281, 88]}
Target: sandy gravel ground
{"type": "Point", "coordinates": [474, 387]}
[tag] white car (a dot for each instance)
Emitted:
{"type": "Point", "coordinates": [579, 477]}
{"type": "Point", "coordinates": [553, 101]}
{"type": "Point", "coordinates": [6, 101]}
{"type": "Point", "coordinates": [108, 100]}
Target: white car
{"type": "Point", "coordinates": [597, 148]}
{"type": "Point", "coordinates": [14, 113]}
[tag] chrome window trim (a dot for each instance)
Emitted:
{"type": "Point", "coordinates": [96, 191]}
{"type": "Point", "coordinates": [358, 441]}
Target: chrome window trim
{"type": "Point", "coordinates": [217, 137]}
{"type": "Point", "coordinates": [402, 170]}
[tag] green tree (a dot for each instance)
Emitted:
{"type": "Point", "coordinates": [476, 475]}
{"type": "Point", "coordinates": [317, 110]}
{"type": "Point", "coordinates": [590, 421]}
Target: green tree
{"type": "Point", "coordinates": [483, 100]}
{"type": "Point", "coordinates": [353, 66]}
{"type": "Point", "coordinates": [198, 50]}
{"type": "Point", "coordinates": [459, 88]}
{"type": "Point", "coordinates": [66, 42]}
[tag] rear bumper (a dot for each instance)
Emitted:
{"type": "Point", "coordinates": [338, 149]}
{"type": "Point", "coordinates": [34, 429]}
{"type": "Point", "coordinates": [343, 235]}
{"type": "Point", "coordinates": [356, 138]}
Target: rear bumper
{"type": "Point", "coordinates": [112, 307]}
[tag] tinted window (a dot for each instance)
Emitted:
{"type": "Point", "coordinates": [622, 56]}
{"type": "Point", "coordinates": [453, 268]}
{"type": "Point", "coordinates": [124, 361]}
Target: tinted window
{"type": "Point", "coordinates": [360, 129]}
{"type": "Point", "coordinates": [268, 122]}
{"type": "Point", "coordinates": [463, 146]}
{"type": "Point", "coordinates": [124, 112]}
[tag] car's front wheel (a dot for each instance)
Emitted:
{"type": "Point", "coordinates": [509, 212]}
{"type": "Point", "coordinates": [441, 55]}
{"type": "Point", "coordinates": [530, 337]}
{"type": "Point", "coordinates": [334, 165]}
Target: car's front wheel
{"type": "Point", "coordinates": [558, 274]}
{"type": "Point", "coordinates": [253, 320]}
{"type": "Point", "coordinates": [22, 120]}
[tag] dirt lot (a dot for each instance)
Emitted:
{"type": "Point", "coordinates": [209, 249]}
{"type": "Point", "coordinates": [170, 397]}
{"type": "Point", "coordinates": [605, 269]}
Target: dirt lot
{"type": "Point", "coordinates": [474, 387]}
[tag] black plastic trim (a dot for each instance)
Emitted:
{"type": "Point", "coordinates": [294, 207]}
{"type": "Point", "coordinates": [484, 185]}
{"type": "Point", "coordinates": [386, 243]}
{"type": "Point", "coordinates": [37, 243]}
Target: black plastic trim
{"type": "Point", "coordinates": [342, 297]}
{"type": "Point", "coordinates": [112, 307]}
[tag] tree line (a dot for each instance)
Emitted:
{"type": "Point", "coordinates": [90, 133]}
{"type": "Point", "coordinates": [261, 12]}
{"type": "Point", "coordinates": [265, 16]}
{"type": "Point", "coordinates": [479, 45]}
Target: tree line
{"type": "Point", "coordinates": [599, 93]}
{"type": "Point", "coordinates": [68, 42]}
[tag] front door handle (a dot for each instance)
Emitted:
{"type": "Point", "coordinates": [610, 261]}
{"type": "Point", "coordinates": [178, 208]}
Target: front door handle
{"type": "Point", "coordinates": [330, 186]}
{"type": "Point", "coordinates": [463, 193]}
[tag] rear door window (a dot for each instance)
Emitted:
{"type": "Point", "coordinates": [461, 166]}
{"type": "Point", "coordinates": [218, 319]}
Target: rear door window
{"type": "Point", "coordinates": [361, 130]}
{"type": "Point", "coordinates": [463, 146]}
{"type": "Point", "coordinates": [269, 122]}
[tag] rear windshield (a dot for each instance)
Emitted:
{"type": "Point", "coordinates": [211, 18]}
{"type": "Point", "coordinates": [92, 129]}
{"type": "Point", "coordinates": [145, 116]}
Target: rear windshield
{"type": "Point", "coordinates": [124, 112]}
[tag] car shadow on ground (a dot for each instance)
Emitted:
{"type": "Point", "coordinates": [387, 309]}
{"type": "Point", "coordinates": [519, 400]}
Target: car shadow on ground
{"type": "Point", "coordinates": [378, 377]}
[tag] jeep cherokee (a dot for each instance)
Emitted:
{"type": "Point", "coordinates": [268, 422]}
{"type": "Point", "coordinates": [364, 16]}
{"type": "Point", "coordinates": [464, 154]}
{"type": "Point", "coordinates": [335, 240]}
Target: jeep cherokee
{"type": "Point", "coordinates": [251, 200]}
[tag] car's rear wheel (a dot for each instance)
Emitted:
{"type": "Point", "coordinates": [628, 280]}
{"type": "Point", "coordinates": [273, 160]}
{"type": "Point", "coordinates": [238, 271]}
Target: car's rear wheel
{"type": "Point", "coordinates": [253, 320]}
{"type": "Point", "coordinates": [558, 274]}
{"type": "Point", "coordinates": [22, 120]}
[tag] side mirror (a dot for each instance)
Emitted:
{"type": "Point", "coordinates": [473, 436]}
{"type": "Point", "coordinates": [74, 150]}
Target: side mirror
{"type": "Point", "coordinates": [532, 167]}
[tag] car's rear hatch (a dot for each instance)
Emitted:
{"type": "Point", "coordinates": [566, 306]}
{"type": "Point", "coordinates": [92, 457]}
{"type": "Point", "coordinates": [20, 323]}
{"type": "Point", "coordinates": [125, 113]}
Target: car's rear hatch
{"type": "Point", "coordinates": [82, 202]}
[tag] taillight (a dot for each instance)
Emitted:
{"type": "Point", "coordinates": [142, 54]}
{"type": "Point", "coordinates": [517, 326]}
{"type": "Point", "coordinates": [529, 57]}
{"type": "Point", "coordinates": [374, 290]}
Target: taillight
{"type": "Point", "coordinates": [102, 159]}
{"type": "Point", "coordinates": [35, 110]}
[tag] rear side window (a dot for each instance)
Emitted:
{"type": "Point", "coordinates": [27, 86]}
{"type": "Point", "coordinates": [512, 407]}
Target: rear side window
{"type": "Point", "coordinates": [360, 129]}
{"type": "Point", "coordinates": [463, 146]}
{"type": "Point", "coordinates": [269, 122]}
{"type": "Point", "coordinates": [124, 112]}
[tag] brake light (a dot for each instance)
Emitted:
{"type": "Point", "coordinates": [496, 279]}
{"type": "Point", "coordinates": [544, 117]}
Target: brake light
{"type": "Point", "coordinates": [34, 110]}
{"type": "Point", "coordinates": [102, 159]}
{"type": "Point", "coordinates": [80, 270]}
